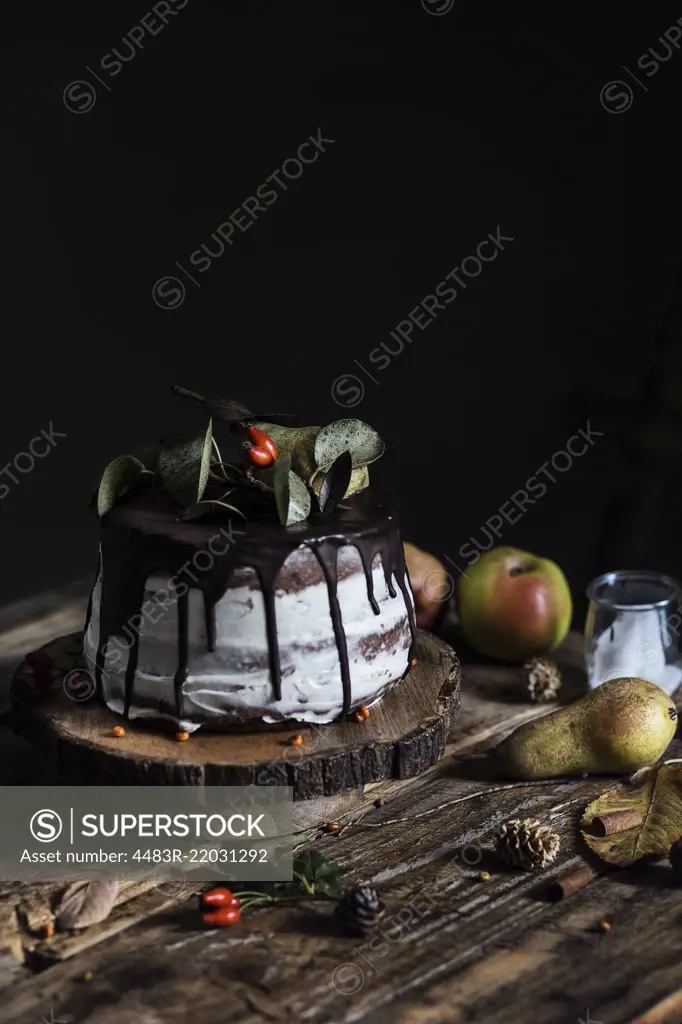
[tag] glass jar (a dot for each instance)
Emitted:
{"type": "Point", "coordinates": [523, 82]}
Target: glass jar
{"type": "Point", "coordinates": [633, 628]}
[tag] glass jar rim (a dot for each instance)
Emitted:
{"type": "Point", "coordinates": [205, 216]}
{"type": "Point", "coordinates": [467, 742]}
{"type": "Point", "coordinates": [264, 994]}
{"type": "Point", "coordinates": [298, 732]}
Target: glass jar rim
{"type": "Point", "coordinates": [641, 576]}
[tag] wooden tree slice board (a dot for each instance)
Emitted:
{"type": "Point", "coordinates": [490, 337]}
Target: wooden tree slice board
{"type": "Point", "coordinates": [404, 735]}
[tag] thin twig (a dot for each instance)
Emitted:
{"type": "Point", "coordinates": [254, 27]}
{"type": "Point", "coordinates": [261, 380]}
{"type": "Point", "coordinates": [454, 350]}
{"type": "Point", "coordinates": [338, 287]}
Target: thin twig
{"type": "Point", "coordinates": [176, 389]}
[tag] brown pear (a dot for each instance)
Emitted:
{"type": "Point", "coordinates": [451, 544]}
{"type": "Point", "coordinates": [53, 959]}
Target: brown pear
{"type": "Point", "coordinates": [618, 727]}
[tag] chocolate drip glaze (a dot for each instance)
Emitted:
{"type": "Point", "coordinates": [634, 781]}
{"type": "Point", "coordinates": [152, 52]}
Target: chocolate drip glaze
{"type": "Point", "coordinates": [267, 585]}
{"type": "Point", "coordinates": [368, 550]}
{"type": "Point", "coordinates": [143, 536]}
{"type": "Point", "coordinates": [397, 559]}
{"type": "Point", "coordinates": [131, 668]}
{"type": "Point", "coordinates": [183, 650]}
{"type": "Point", "coordinates": [88, 614]}
{"type": "Point", "coordinates": [327, 555]}
{"type": "Point", "coordinates": [209, 618]}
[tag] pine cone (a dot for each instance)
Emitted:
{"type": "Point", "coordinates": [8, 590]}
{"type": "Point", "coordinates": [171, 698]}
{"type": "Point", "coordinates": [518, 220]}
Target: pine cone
{"type": "Point", "coordinates": [527, 844]}
{"type": "Point", "coordinates": [675, 856]}
{"type": "Point", "coordinates": [360, 910]}
{"type": "Point", "coordinates": [543, 679]}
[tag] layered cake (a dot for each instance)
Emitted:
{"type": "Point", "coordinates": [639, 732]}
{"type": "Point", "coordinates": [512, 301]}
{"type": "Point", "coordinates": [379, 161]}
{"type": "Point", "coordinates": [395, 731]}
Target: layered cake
{"type": "Point", "coordinates": [269, 585]}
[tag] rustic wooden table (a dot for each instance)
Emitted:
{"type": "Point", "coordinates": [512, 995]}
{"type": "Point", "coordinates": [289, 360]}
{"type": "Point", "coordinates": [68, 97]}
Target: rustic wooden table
{"type": "Point", "coordinates": [452, 948]}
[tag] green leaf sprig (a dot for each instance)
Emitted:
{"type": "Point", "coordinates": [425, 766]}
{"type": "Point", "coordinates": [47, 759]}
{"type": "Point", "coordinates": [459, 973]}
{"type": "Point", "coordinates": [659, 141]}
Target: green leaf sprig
{"type": "Point", "coordinates": [315, 468]}
{"type": "Point", "coordinates": [315, 878]}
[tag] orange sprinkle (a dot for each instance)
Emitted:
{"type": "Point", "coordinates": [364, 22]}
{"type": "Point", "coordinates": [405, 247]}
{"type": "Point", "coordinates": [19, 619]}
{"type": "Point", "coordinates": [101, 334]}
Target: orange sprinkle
{"type": "Point", "coordinates": [118, 730]}
{"type": "Point", "coordinates": [359, 717]}
{"type": "Point", "coordinates": [414, 662]}
{"type": "Point", "coordinates": [182, 737]}
{"type": "Point", "coordinates": [297, 740]}
{"type": "Point", "coordinates": [332, 826]}
{"type": "Point", "coordinates": [604, 926]}
{"type": "Point", "coordinates": [47, 930]}
{"type": "Point", "coordinates": [364, 711]}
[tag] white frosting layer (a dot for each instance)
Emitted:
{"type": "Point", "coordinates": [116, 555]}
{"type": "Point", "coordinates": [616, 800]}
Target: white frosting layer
{"type": "Point", "coordinates": [236, 676]}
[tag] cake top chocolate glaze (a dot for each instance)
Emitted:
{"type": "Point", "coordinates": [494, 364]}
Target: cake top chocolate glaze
{"type": "Point", "coordinates": [155, 513]}
{"type": "Point", "coordinates": [289, 487]}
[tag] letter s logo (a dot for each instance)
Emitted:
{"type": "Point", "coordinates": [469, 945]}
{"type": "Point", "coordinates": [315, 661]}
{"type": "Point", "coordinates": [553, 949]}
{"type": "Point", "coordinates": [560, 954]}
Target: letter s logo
{"type": "Point", "coordinates": [46, 826]}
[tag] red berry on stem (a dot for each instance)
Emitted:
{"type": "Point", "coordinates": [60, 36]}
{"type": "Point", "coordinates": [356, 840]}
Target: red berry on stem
{"type": "Point", "coordinates": [260, 457]}
{"type": "Point", "coordinates": [217, 897]}
{"type": "Point", "coordinates": [234, 903]}
{"type": "Point", "coordinates": [223, 917]}
{"type": "Point", "coordinates": [261, 440]}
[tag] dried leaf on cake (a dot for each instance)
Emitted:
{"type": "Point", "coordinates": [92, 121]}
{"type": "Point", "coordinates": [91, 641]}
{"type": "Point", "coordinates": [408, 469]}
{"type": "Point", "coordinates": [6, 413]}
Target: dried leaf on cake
{"type": "Point", "coordinates": [354, 436]}
{"type": "Point", "coordinates": [116, 479]}
{"type": "Point", "coordinates": [184, 465]}
{"type": "Point", "coordinates": [335, 483]}
{"type": "Point", "coordinates": [291, 494]}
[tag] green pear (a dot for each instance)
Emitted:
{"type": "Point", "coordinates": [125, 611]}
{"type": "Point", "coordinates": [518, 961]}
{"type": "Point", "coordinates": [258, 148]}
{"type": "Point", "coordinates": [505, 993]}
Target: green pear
{"type": "Point", "coordinates": [620, 726]}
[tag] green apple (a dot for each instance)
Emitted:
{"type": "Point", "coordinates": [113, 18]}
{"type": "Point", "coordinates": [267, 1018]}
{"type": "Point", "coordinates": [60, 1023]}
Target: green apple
{"type": "Point", "coordinates": [513, 605]}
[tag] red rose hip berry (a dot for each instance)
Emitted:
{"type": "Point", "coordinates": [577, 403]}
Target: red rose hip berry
{"type": "Point", "coordinates": [223, 917]}
{"type": "Point", "coordinates": [217, 898]}
{"type": "Point", "coordinates": [261, 440]}
{"type": "Point", "coordinates": [259, 457]}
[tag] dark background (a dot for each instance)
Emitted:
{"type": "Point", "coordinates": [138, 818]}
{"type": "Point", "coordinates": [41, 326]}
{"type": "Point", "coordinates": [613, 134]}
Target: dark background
{"type": "Point", "coordinates": [445, 127]}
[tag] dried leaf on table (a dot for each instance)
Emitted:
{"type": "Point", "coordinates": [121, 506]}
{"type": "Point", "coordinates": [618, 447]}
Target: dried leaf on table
{"type": "Point", "coordinates": [86, 903]}
{"type": "Point", "coordinates": [656, 795]}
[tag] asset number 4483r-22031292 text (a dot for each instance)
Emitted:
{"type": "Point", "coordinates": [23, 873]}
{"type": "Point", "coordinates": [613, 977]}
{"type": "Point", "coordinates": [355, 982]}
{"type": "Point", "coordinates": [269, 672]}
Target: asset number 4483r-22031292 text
{"type": "Point", "coordinates": [202, 856]}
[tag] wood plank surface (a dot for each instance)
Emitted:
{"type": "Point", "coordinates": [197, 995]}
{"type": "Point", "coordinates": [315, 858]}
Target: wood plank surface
{"type": "Point", "coordinates": [452, 948]}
